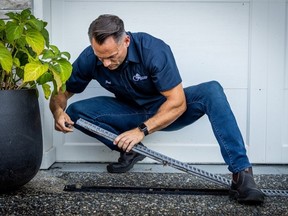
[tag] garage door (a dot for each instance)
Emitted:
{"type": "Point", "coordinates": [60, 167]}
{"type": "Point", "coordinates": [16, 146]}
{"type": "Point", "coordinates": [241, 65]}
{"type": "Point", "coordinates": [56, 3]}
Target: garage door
{"type": "Point", "coordinates": [211, 40]}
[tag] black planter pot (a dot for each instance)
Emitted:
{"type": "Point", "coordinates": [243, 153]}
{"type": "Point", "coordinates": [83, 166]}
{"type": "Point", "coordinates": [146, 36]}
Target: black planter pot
{"type": "Point", "coordinates": [21, 145]}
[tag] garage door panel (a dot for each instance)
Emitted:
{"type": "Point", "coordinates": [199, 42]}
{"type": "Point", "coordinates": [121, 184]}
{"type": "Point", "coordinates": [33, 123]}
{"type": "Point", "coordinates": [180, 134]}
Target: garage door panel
{"type": "Point", "coordinates": [210, 41]}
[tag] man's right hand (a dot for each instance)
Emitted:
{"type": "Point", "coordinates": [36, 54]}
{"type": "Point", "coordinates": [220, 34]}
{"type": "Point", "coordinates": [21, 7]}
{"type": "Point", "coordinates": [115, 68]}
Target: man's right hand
{"type": "Point", "coordinates": [63, 122]}
{"type": "Point", "coordinates": [58, 104]}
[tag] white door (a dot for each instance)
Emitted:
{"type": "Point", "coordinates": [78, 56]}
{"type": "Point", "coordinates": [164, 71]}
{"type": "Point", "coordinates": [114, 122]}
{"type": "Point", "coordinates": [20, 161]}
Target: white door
{"type": "Point", "coordinates": [211, 40]}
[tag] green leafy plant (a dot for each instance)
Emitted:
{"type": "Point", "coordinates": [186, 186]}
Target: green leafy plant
{"type": "Point", "coordinates": [26, 57]}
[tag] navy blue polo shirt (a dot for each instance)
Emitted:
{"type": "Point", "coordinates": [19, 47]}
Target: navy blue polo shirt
{"type": "Point", "coordinates": [148, 69]}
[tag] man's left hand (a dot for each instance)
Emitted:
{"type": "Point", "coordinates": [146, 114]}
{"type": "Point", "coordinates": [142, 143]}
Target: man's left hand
{"type": "Point", "coordinates": [128, 139]}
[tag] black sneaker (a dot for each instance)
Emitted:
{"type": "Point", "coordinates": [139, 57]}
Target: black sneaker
{"type": "Point", "coordinates": [244, 189]}
{"type": "Point", "coordinates": [125, 162]}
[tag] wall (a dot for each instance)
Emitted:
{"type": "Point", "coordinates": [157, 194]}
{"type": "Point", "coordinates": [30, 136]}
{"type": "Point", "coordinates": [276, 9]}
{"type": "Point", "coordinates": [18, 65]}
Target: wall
{"type": "Point", "coordinates": [261, 106]}
{"type": "Point", "coordinates": [242, 44]}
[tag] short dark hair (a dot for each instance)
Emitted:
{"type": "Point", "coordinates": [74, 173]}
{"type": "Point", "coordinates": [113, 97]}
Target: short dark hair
{"type": "Point", "coordinates": [104, 26]}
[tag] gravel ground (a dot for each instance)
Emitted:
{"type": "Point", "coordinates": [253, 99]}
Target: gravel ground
{"type": "Point", "coordinates": [44, 195]}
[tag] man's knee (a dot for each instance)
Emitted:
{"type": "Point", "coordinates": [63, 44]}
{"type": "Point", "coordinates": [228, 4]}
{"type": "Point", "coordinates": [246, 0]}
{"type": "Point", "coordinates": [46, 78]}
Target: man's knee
{"type": "Point", "coordinates": [214, 87]}
{"type": "Point", "coordinates": [213, 90]}
{"type": "Point", "coordinates": [204, 91]}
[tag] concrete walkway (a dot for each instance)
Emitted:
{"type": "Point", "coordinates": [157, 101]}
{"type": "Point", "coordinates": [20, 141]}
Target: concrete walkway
{"type": "Point", "coordinates": [44, 194]}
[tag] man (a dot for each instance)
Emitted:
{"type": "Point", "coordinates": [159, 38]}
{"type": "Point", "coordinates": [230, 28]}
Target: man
{"type": "Point", "coordinates": [141, 72]}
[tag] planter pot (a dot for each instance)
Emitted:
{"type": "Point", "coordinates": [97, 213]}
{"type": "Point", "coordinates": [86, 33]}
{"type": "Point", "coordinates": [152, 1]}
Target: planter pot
{"type": "Point", "coordinates": [21, 145]}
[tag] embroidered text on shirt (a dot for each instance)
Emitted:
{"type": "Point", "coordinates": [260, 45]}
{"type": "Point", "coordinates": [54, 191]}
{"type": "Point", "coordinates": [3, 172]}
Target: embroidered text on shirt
{"type": "Point", "coordinates": [137, 77]}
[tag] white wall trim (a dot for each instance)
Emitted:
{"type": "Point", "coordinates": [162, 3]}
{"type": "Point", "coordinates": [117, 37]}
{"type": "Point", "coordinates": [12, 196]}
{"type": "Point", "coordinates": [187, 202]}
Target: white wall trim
{"type": "Point", "coordinates": [42, 10]}
{"type": "Point", "coordinates": [49, 157]}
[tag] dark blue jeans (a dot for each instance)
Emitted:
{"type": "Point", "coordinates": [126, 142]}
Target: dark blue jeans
{"type": "Point", "coordinates": [206, 98]}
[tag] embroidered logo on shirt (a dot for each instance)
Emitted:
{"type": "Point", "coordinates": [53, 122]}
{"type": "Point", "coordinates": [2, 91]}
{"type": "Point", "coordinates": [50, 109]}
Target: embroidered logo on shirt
{"type": "Point", "coordinates": [137, 77]}
{"type": "Point", "coordinates": [108, 82]}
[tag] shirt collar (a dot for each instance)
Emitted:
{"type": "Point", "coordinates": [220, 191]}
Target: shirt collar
{"type": "Point", "coordinates": [132, 51]}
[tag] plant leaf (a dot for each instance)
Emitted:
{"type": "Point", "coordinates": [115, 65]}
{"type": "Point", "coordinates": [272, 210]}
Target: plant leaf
{"type": "Point", "coordinates": [55, 50]}
{"type": "Point", "coordinates": [64, 68]}
{"type": "Point", "coordinates": [57, 80]}
{"type": "Point", "coordinates": [33, 70]}
{"type": "Point", "coordinates": [20, 73]}
{"type": "Point", "coordinates": [67, 54]}
{"type": "Point", "coordinates": [12, 15]}
{"type": "Point", "coordinates": [35, 39]}
{"type": "Point", "coordinates": [23, 57]}
{"type": "Point", "coordinates": [45, 34]}
{"type": "Point", "coordinates": [63, 87]}
{"type": "Point", "coordinates": [21, 42]}
{"type": "Point", "coordinates": [47, 54]}
{"type": "Point", "coordinates": [36, 24]}
{"type": "Point", "coordinates": [46, 77]}
{"type": "Point", "coordinates": [2, 25]}
{"type": "Point", "coordinates": [13, 31]}
{"type": "Point", "coordinates": [47, 90]}
{"type": "Point", "coordinates": [25, 14]}
{"type": "Point", "coordinates": [6, 59]}
{"type": "Point", "coordinates": [16, 62]}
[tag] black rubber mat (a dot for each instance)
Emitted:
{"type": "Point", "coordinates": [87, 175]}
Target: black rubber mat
{"type": "Point", "coordinates": [145, 190]}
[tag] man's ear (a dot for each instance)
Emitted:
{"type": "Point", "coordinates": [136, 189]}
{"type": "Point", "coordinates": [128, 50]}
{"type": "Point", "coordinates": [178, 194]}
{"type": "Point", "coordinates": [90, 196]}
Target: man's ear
{"type": "Point", "coordinates": [127, 41]}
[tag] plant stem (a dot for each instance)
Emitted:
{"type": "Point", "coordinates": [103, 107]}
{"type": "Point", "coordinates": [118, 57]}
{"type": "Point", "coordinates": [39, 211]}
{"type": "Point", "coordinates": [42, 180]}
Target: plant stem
{"type": "Point", "coordinates": [2, 79]}
{"type": "Point", "coordinates": [22, 85]}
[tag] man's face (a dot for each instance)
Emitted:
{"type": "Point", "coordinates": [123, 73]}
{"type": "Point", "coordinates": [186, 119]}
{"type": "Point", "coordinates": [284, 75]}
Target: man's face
{"type": "Point", "coordinates": [110, 53]}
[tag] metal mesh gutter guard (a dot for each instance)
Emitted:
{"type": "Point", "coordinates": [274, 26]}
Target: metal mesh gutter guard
{"type": "Point", "coordinates": [170, 161]}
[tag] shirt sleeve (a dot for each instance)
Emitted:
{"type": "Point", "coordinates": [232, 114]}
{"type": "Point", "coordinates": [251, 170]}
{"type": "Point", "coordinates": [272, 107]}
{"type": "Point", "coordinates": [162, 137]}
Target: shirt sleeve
{"type": "Point", "coordinates": [82, 71]}
{"type": "Point", "coordinates": [162, 66]}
